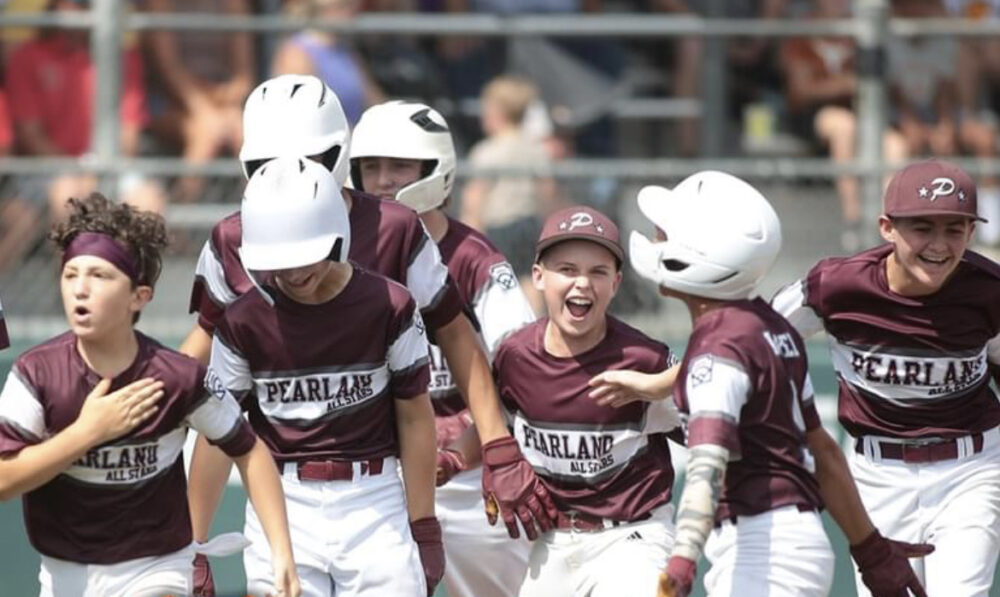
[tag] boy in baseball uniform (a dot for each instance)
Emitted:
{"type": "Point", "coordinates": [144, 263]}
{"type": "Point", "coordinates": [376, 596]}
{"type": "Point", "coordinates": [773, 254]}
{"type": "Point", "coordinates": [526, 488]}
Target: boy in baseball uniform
{"type": "Point", "coordinates": [608, 470]}
{"type": "Point", "coordinates": [761, 467]}
{"type": "Point", "coordinates": [330, 362]}
{"type": "Point", "coordinates": [404, 151]}
{"type": "Point", "coordinates": [914, 328]}
{"type": "Point", "coordinates": [93, 421]}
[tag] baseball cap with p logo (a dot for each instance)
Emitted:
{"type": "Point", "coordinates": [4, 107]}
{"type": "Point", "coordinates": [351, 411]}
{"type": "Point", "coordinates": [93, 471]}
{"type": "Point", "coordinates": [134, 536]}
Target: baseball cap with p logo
{"type": "Point", "coordinates": [580, 223]}
{"type": "Point", "coordinates": [931, 188]}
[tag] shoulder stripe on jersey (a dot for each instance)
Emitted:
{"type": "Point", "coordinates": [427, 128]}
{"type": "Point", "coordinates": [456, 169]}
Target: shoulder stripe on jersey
{"type": "Point", "coordinates": [407, 371]}
{"type": "Point", "coordinates": [229, 435]}
{"type": "Point", "coordinates": [317, 370]}
{"type": "Point", "coordinates": [929, 352]}
{"type": "Point", "coordinates": [713, 414]}
{"type": "Point", "coordinates": [436, 299]}
{"type": "Point", "coordinates": [418, 247]}
{"type": "Point", "coordinates": [22, 433]}
{"type": "Point", "coordinates": [209, 293]}
{"type": "Point", "coordinates": [228, 346]}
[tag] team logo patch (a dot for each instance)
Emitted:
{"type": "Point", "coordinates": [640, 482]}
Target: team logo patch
{"type": "Point", "coordinates": [700, 370]}
{"type": "Point", "coordinates": [503, 274]}
{"type": "Point", "coordinates": [580, 219]}
{"type": "Point", "coordinates": [214, 385]}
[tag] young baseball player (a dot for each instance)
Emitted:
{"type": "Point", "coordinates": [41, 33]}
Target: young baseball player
{"type": "Point", "coordinates": [295, 115]}
{"type": "Point", "coordinates": [92, 424]}
{"type": "Point", "coordinates": [750, 490]}
{"type": "Point", "coordinates": [404, 151]}
{"type": "Point", "coordinates": [913, 327]}
{"type": "Point", "coordinates": [608, 470]}
{"type": "Point", "coordinates": [330, 362]}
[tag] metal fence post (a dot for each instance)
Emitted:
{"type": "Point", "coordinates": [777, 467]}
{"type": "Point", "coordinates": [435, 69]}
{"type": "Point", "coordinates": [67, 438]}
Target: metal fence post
{"type": "Point", "coordinates": [714, 90]}
{"type": "Point", "coordinates": [871, 105]}
{"type": "Point", "coordinates": [105, 48]}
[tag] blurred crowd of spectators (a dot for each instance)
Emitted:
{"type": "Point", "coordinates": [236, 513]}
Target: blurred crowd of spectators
{"type": "Point", "coordinates": [538, 100]}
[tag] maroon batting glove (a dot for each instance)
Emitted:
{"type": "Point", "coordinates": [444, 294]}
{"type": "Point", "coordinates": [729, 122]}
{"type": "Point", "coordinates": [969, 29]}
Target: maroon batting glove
{"type": "Point", "coordinates": [513, 491]}
{"type": "Point", "coordinates": [884, 567]}
{"type": "Point", "coordinates": [427, 533]}
{"type": "Point", "coordinates": [204, 585]}
{"type": "Point", "coordinates": [678, 578]}
{"type": "Point", "coordinates": [449, 463]}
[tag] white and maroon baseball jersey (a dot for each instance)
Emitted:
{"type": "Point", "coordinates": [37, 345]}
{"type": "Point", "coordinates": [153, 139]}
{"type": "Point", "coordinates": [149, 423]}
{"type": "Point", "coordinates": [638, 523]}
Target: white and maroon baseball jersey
{"type": "Point", "coordinates": [4, 338]}
{"type": "Point", "coordinates": [492, 297]}
{"type": "Point", "coordinates": [125, 499]}
{"type": "Point", "coordinates": [607, 462]}
{"type": "Point", "coordinates": [908, 367]}
{"type": "Point", "coordinates": [744, 381]}
{"type": "Point", "coordinates": [318, 381]}
{"type": "Point", "coordinates": [386, 237]}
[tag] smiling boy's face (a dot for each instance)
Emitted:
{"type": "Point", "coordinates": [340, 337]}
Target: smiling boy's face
{"type": "Point", "coordinates": [927, 249]}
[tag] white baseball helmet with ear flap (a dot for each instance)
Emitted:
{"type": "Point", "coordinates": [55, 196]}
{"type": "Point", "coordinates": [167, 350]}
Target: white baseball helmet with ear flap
{"type": "Point", "coordinates": [722, 236]}
{"type": "Point", "coordinates": [411, 131]}
{"type": "Point", "coordinates": [293, 215]}
{"type": "Point", "coordinates": [293, 116]}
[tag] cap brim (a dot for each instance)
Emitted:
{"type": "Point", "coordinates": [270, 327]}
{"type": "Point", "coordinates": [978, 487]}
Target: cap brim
{"type": "Point", "coordinates": [268, 258]}
{"type": "Point", "coordinates": [615, 249]}
{"type": "Point", "coordinates": [937, 212]}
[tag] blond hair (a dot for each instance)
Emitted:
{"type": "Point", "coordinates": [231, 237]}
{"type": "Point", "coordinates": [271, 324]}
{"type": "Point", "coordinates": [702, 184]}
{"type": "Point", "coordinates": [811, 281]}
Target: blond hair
{"type": "Point", "coordinates": [512, 95]}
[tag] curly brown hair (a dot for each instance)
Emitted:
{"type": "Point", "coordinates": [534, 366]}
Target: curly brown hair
{"type": "Point", "coordinates": [143, 233]}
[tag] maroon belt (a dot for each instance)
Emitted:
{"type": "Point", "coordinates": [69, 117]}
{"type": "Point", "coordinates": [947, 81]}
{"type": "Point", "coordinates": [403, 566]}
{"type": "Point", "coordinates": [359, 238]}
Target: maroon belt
{"type": "Point", "coordinates": [336, 470]}
{"type": "Point", "coordinates": [918, 452]}
{"type": "Point", "coordinates": [576, 521]}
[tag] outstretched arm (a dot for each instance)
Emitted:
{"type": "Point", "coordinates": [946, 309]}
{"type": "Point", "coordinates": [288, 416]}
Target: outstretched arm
{"type": "Point", "coordinates": [882, 562]}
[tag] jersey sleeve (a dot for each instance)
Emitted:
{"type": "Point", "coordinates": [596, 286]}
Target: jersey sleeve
{"type": "Point", "coordinates": [409, 367]}
{"type": "Point", "coordinates": [716, 389]}
{"type": "Point", "coordinates": [794, 304]}
{"type": "Point", "coordinates": [22, 417]}
{"type": "Point", "coordinates": [228, 370]}
{"type": "Point", "coordinates": [500, 305]}
{"type": "Point", "coordinates": [215, 414]}
{"type": "Point", "coordinates": [428, 281]}
{"type": "Point", "coordinates": [211, 293]}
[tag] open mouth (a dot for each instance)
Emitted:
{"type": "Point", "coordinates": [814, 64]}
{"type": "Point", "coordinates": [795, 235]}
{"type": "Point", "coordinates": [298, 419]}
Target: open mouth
{"type": "Point", "coordinates": [81, 311]}
{"type": "Point", "coordinates": [579, 307]}
{"type": "Point", "coordinates": [935, 261]}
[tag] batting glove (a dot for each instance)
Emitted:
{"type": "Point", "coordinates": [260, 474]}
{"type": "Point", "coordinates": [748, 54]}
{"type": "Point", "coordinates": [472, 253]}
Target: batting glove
{"type": "Point", "coordinates": [678, 578]}
{"type": "Point", "coordinates": [204, 584]}
{"type": "Point", "coordinates": [884, 567]}
{"type": "Point", "coordinates": [427, 533]}
{"type": "Point", "coordinates": [449, 463]}
{"type": "Point", "coordinates": [513, 491]}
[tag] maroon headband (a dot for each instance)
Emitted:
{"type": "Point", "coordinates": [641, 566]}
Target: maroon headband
{"type": "Point", "coordinates": [105, 247]}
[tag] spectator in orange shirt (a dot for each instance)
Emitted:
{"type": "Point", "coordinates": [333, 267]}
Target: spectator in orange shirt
{"type": "Point", "coordinates": [820, 84]}
{"type": "Point", "coordinates": [51, 84]}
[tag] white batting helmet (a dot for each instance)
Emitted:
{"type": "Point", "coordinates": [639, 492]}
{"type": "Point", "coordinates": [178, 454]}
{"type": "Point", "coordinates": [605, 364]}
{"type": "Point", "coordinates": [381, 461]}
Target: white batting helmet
{"type": "Point", "coordinates": [293, 216]}
{"type": "Point", "coordinates": [409, 131]}
{"type": "Point", "coordinates": [722, 236]}
{"type": "Point", "coordinates": [292, 116]}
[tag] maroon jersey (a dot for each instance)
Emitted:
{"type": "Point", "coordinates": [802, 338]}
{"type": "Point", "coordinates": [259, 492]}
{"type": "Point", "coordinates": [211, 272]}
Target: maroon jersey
{"type": "Point", "coordinates": [125, 499]}
{"type": "Point", "coordinates": [386, 237]}
{"type": "Point", "coordinates": [4, 338]}
{"type": "Point", "coordinates": [319, 381]}
{"type": "Point", "coordinates": [491, 296]}
{"type": "Point", "coordinates": [908, 367]}
{"type": "Point", "coordinates": [608, 462]}
{"type": "Point", "coordinates": [745, 382]}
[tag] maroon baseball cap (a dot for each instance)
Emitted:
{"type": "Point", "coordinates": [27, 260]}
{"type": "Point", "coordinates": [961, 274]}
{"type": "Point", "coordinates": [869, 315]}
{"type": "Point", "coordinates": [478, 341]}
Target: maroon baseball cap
{"type": "Point", "coordinates": [580, 223]}
{"type": "Point", "coordinates": [931, 188]}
